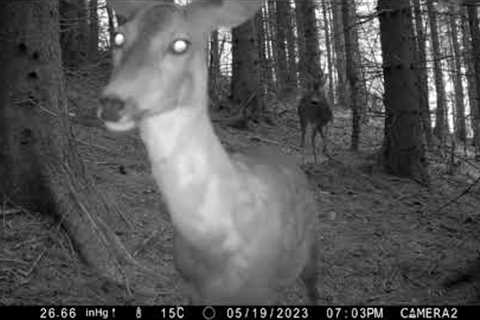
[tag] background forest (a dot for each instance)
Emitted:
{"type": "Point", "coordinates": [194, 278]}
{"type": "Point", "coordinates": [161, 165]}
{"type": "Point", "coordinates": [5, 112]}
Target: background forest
{"type": "Point", "coordinates": [82, 221]}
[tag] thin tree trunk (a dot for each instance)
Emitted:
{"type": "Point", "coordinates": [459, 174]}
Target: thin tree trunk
{"type": "Point", "coordinates": [328, 45]}
{"type": "Point", "coordinates": [74, 33]}
{"type": "Point", "coordinates": [362, 93]}
{"type": "Point", "coordinates": [471, 83]}
{"type": "Point", "coordinates": [214, 65]}
{"type": "Point", "coordinates": [343, 89]}
{"type": "Point", "coordinates": [111, 24]}
{"type": "Point", "coordinates": [264, 61]}
{"type": "Point", "coordinates": [440, 119]}
{"type": "Point", "coordinates": [460, 128]}
{"type": "Point", "coordinates": [302, 51]}
{"type": "Point", "coordinates": [308, 43]}
{"type": "Point", "coordinates": [422, 73]}
{"type": "Point", "coordinates": [291, 41]}
{"type": "Point", "coordinates": [279, 44]}
{"type": "Point", "coordinates": [475, 35]}
{"type": "Point", "coordinates": [353, 75]}
{"type": "Point", "coordinates": [93, 34]}
{"type": "Point", "coordinates": [245, 70]}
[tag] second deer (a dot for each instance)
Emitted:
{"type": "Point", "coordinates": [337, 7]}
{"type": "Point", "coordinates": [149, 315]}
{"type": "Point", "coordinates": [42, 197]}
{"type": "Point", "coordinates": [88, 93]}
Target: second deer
{"type": "Point", "coordinates": [314, 111]}
{"type": "Point", "coordinates": [245, 225]}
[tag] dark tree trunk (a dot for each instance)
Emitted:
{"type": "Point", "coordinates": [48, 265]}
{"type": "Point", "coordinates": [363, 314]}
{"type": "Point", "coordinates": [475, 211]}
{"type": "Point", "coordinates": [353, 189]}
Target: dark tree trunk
{"type": "Point", "coordinates": [308, 43]}
{"type": "Point", "coordinates": [440, 118]}
{"type": "Point", "coordinates": [404, 154]}
{"type": "Point", "coordinates": [475, 35]}
{"type": "Point", "coordinates": [214, 64]}
{"type": "Point", "coordinates": [280, 44]}
{"type": "Point", "coordinates": [40, 167]}
{"type": "Point", "coordinates": [93, 35]}
{"type": "Point", "coordinates": [456, 71]}
{"type": "Point", "coordinates": [328, 45]}
{"type": "Point", "coordinates": [472, 89]}
{"type": "Point", "coordinates": [343, 89]}
{"type": "Point", "coordinates": [422, 73]}
{"type": "Point", "coordinates": [74, 32]}
{"type": "Point", "coordinates": [353, 74]}
{"type": "Point", "coordinates": [245, 70]}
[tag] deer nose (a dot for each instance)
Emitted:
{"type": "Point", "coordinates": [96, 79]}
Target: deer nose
{"type": "Point", "coordinates": [111, 108]}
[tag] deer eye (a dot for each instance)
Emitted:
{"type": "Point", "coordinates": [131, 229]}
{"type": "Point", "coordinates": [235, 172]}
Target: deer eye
{"type": "Point", "coordinates": [179, 46]}
{"type": "Point", "coordinates": [118, 39]}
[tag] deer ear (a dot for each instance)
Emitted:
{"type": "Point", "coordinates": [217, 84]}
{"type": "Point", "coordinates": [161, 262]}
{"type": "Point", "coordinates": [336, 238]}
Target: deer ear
{"type": "Point", "coordinates": [126, 8]}
{"type": "Point", "coordinates": [224, 13]}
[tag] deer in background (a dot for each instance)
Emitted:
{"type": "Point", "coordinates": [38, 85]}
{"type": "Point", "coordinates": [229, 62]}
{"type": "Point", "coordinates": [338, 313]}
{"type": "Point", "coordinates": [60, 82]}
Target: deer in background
{"type": "Point", "coordinates": [245, 225]}
{"type": "Point", "coordinates": [314, 111]}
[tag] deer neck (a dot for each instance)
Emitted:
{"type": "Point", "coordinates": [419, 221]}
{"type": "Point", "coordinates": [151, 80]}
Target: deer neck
{"type": "Point", "coordinates": [192, 169]}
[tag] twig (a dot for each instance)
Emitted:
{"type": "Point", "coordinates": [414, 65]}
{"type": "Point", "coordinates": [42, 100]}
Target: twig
{"type": "Point", "coordinates": [10, 212]}
{"type": "Point", "coordinates": [93, 145]}
{"type": "Point", "coordinates": [18, 245]}
{"type": "Point", "coordinates": [6, 260]}
{"type": "Point", "coordinates": [35, 263]}
{"type": "Point", "coordinates": [145, 242]}
{"type": "Point", "coordinates": [463, 193]}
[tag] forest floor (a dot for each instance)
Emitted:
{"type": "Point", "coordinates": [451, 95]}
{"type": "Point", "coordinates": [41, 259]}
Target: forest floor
{"type": "Point", "coordinates": [384, 240]}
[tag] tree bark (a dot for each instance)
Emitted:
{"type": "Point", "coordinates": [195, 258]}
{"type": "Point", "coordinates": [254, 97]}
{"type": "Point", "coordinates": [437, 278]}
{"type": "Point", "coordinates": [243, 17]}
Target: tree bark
{"type": "Point", "coordinates": [93, 34]}
{"type": "Point", "coordinates": [353, 74]}
{"type": "Point", "coordinates": [343, 89]}
{"type": "Point", "coordinates": [308, 43]}
{"type": "Point", "coordinates": [74, 32]}
{"type": "Point", "coordinates": [471, 83]}
{"type": "Point", "coordinates": [40, 167]}
{"type": "Point", "coordinates": [291, 48]}
{"type": "Point", "coordinates": [280, 45]}
{"type": "Point", "coordinates": [403, 152]}
{"type": "Point", "coordinates": [245, 71]}
{"type": "Point", "coordinates": [475, 36]}
{"type": "Point", "coordinates": [214, 64]}
{"type": "Point", "coordinates": [328, 45]}
{"type": "Point", "coordinates": [440, 118]}
{"type": "Point", "coordinates": [422, 73]}
{"type": "Point", "coordinates": [460, 128]}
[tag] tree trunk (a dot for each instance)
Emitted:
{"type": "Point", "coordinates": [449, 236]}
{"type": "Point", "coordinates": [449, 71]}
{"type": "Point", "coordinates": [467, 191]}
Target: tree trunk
{"type": "Point", "coordinates": [440, 119]}
{"type": "Point", "coordinates": [404, 154]}
{"type": "Point", "coordinates": [263, 62]}
{"type": "Point", "coordinates": [245, 70]}
{"type": "Point", "coordinates": [421, 66]}
{"type": "Point", "coordinates": [74, 32]}
{"type": "Point", "coordinates": [111, 24]}
{"type": "Point", "coordinates": [362, 83]}
{"type": "Point", "coordinates": [279, 44]}
{"type": "Point", "coordinates": [93, 34]}
{"type": "Point", "coordinates": [475, 35]}
{"type": "Point", "coordinates": [460, 128]}
{"type": "Point", "coordinates": [328, 45]}
{"type": "Point", "coordinates": [353, 74]}
{"type": "Point", "coordinates": [343, 90]}
{"type": "Point", "coordinates": [471, 83]}
{"type": "Point", "coordinates": [40, 168]}
{"type": "Point", "coordinates": [308, 43]}
{"type": "Point", "coordinates": [214, 64]}
{"type": "Point", "coordinates": [291, 40]}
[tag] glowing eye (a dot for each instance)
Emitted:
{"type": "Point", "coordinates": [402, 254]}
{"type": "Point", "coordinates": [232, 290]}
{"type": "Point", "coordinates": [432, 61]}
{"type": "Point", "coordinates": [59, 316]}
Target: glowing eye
{"type": "Point", "coordinates": [118, 39]}
{"type": "Point", "coordinates": [180, 46]}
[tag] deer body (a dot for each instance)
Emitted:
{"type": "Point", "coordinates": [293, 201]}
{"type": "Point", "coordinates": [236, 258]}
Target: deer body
{"type": "Point", "coordinates": [314, 111]}
{"type": "Point", "coordinates": [245, 225]}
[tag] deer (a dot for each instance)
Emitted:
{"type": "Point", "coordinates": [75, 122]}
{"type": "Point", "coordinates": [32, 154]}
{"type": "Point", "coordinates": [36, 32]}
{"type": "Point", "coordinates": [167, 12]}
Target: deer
{"type": "Point", "coordinates": [245, 225]}
{"type": "Point", "coordinates": [314, 111]}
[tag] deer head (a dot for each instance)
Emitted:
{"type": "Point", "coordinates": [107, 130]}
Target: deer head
{"type": "Point", "coordinates": [159, 57]}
